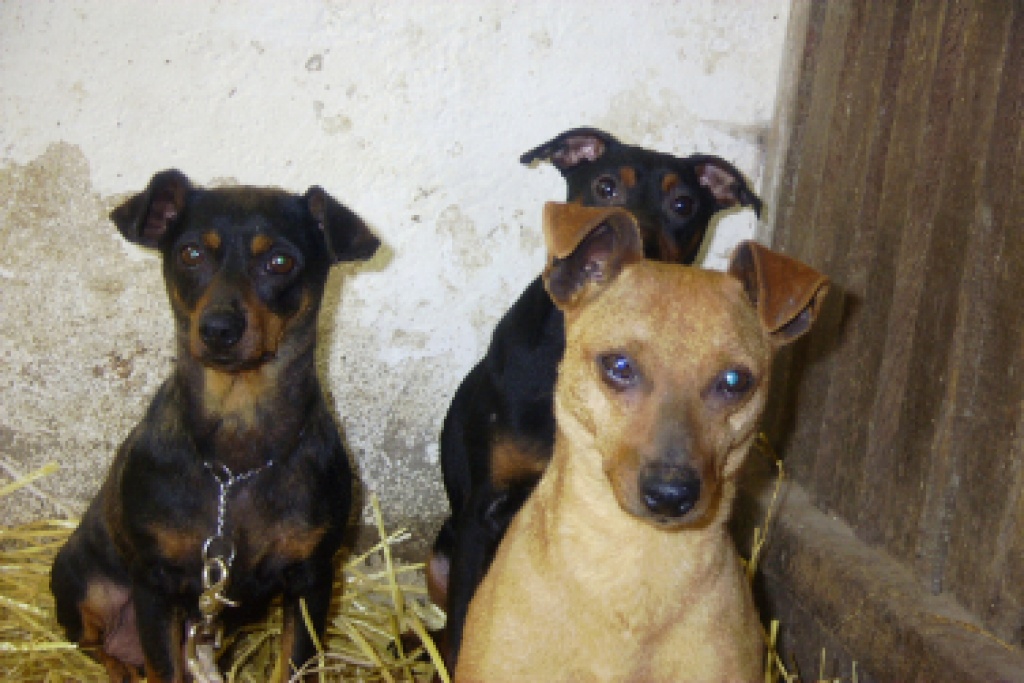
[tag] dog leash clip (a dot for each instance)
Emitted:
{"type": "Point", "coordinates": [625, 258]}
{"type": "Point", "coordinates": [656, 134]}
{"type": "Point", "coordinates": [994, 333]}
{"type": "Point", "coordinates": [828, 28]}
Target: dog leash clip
{"type": "Point", "coordinates": [199, 648]}
{"type": "Point", "coordinates": [205, 636]}
{"type": "Point", "coordinates": [215, 582]}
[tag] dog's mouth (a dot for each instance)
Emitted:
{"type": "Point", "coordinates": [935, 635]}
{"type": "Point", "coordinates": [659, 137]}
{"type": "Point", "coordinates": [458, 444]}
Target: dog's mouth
{"type": "Point", "coordinates": [694, 517]}
{"type": "Point", "coordinates": [690, 519]}
{"type": "Point", "coordinates": [231, 363]}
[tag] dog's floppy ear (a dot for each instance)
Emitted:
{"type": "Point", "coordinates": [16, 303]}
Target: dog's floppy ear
{"type": "Point", "coordinates": [786, 293]}
{"type": "Point", "coordinates": [145, 217]}
{"type": "Point", "coordinates": [725, 182]}
{"type": "Point", "coordinates": [347, 237]}
{"type": "Point", "coordinates": [571, 148]}
{"type": "Point", "coordinates": [587, 247]}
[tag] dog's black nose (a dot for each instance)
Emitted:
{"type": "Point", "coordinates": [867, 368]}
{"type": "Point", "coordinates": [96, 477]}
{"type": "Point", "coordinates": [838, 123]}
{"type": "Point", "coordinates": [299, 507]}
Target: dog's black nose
{"type": "Point", "coordinates": [669, 494]}
{"type": "Point", "coordinates": [221, 330]}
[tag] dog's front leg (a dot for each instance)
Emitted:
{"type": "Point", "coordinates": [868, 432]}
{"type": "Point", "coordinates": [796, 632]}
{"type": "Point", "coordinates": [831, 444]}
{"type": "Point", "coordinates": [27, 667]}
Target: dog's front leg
{"type": "Point", "coordinates": [310, 584]}
{"type": "Point", "coordinates": [161, 624]}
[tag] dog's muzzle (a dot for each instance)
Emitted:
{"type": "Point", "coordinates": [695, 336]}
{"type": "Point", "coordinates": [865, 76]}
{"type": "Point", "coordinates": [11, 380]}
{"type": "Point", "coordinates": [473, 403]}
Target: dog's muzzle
{"type": "Point", "coordinates": [668, 491]}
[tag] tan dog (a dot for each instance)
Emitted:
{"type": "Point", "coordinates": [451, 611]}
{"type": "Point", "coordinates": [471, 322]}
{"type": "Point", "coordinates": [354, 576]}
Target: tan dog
{"type": "Point", "coordinates": [620, 567]}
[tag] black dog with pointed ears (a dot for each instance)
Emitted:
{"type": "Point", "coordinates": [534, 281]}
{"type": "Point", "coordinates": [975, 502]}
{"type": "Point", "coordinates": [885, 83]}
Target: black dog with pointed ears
{"type": "Point", "coordinates": [499, 431]}
{"type": "Point", "coordinates": [238, 444]}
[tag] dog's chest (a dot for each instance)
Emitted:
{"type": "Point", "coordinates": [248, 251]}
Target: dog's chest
{"type": "Point", "coordinates": [269, 520]}
{"type": "Point", "coordinates": [264, 531]}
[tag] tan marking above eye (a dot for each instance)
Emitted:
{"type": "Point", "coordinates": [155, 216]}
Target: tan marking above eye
{"type": "Point", "coordinates": [628, 176]}
{"type": "Point", "coordinates": [211, 240]}
{"type": "Point", "coordinates": [261, 244]}
{"type": "Point", "coordinates": [669, 182]}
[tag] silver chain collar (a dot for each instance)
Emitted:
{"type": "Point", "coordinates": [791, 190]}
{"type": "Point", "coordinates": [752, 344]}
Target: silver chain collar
{"type": "Point", "coordinates": [219, 545]}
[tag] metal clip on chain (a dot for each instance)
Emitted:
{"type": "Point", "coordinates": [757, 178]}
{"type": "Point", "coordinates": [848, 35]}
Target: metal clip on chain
{"type": "Point", "coordinates": [205, 636]}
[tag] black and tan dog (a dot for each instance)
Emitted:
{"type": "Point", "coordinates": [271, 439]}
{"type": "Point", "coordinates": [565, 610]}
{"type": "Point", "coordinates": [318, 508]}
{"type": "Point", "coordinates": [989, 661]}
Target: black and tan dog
{"type": "Point", "coordinates": [238, 444]}
{"type": "Point", "coordinates": [505, 401]}
{"type": "Point", "coordinates": [620, 567]}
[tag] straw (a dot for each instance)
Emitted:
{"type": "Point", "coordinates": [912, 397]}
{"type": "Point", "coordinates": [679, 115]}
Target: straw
{"type": "Point", "coordinates": [375, 601]}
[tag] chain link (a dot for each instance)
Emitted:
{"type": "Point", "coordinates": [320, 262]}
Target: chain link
{"type": "Point", "coordinates": [225, 480]}
{"type": "Point", "coordinates": [205, 635]}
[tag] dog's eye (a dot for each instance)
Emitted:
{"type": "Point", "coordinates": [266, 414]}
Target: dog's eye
{"type": "Point", "coordinates": [280, 264]}
{"type": "Point", "coordinates": [606, 189]}
{"type": "Point", "coordinates": [682, 204]}
{"type": "Point", "coordinates": [734, 383]}
{"type": "Point", "coordinates": [618, 370]}
{"type": "Point", "coordinates": [191, 256]}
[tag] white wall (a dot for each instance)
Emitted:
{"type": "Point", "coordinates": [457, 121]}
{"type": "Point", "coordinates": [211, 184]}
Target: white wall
{"type": "Point", "coordinates": [412, 112]}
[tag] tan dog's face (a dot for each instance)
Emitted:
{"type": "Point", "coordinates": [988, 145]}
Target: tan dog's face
{"type": "Point", "coordinates": [666, 367]}
{"type": "Point", "coordinates": [666, 371]}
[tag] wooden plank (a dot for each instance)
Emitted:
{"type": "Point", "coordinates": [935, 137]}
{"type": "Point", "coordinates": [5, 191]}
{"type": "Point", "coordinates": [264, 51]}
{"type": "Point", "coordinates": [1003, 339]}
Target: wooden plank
{"type": "Point", "coordinates": [824, 30]}
{"type": "Point", "coordinates": [864, 607]}
{"type": "Point", "coordinates": [840, 30]}
{"type": "Point", "coordinates": [904, 410]}
{"type": "Point", "coordinates": [1005, 589]}
{"type": "Point", "coordinates": [858, 157]}
{"type": "Point", "coordinates": [982, 423]}
{"type": "Point", "coordinates": [936, 372]}
{"type": "Point", "coordinates": [811, 50]}
{"type": "Point", "coordinates": [920, 308]}
{"type": "Point", "coordinates": [778, 415]}
{"type": "Point", "coordinates": [875, 267]}
{"type": "Point", "coordinates": [822, 246]}
{"type": "Point", "coordinates": [893, 284]}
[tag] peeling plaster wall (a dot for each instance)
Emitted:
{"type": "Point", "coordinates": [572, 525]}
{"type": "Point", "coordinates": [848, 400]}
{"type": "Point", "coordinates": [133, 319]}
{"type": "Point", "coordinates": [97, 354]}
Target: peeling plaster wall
{"type": "Point", "coordinates": [412, 113]}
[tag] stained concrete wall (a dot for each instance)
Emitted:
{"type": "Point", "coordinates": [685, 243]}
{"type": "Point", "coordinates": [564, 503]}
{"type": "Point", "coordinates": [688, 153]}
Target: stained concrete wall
{"type": "Point", "coordinates": [412, 113]}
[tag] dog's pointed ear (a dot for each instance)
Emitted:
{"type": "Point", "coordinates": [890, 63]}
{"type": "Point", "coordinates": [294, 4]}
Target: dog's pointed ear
{"type": "Point", "coordinates": [571, 148]}
{"type": "Point", "coordinates": [145, 217]}
{"type": "Point", "coordinates": [725, 182]}
{"type": "Point", "coordinates": [347, 237]}
{"type": "Point", "coordinates": [587, 248]}
{"type": "Point", "coordinates": [786, 293]}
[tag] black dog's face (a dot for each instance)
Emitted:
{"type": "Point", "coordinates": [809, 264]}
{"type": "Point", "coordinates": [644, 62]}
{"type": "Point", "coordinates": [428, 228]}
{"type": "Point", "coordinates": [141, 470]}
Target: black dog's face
{"type": "Point", "coordinates": [672, 198]}
{"type": "Point", "coordinates": [244, 267]}
{"type": "Point", "coordinates": [241, 266]}
{"type": "Point", "coordinates": [662, 191]}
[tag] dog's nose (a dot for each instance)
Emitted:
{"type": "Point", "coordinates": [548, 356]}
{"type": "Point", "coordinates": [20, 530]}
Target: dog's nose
{"type": "Point", "coordinates": [222, 329]}
{"type": "Point", "coordinates": [669, 494]}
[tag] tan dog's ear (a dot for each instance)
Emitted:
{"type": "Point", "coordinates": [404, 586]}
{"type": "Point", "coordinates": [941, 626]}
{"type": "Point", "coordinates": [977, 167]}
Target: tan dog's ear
{"type": "Point", "coordinates": [786, 293]}
{"type": "Point", "coordinates": [587, 247]}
